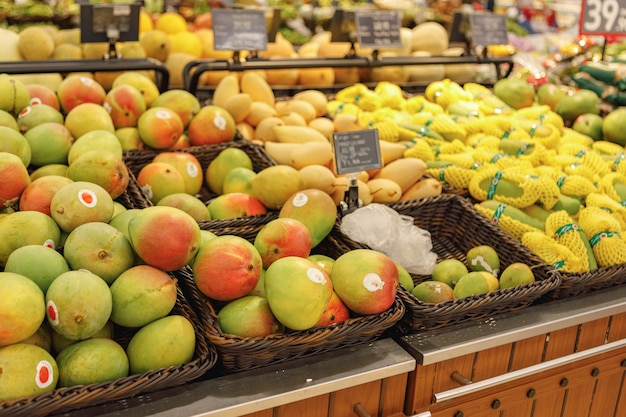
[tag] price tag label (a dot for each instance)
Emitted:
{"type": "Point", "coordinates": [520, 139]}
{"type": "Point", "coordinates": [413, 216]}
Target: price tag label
{"type": "Point", "coordinates": [378, 28]}
{"type": "Point", "coordinates": [488, 29]}
{"type": "Point", "coordinates": [98, 20]}
{"type": "Point", "coordinates": [239, 30]}
{"type": "Point", "coordinates": [603, 17]}
{"type": "Point", "coordinates": [357, 151]}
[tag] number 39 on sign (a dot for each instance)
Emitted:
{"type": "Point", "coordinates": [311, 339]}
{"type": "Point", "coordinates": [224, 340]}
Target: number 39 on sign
{"type": "Point", "coordinates": [603, 17]}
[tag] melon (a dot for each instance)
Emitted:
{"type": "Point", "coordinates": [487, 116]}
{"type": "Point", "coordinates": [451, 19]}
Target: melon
{"type": "Point", "coordinates": [430, 37]}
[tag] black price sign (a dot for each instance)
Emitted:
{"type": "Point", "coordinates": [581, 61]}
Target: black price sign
{"type": "Point", "coordinates": [357, 151]}
{"type": "Point", "coordinates": [602, 17]}
{"type": "Point", "coordinates": [105, 22]}
{"type": "Point", "coordinates": [378, 29]}
{"type": "Point", "coordinates": [239, 30]}
{"type": "Point", "coordinates": [488, 29]}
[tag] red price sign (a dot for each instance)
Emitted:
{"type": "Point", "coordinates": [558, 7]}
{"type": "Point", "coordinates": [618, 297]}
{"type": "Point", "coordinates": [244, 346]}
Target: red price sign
{"type": "Point", "coordinates": [603, 17]}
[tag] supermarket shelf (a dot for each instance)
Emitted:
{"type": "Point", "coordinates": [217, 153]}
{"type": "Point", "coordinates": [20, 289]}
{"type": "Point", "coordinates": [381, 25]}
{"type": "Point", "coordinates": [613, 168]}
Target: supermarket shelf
{"type": "Point", "coordinates": [89, 65]}
{"type": "Point", "coordinates": [194, 69]}
{"type": "Point", "coordinates": [451, 342]}
{"type": "Point", "coordinates": [247, 392]}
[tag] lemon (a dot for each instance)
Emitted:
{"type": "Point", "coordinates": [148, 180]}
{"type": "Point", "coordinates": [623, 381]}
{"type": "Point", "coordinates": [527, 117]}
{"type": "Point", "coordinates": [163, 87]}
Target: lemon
{"type": "Point", "coordinates": [483, 258]}
{"type": "Point", "coordinates": [170, 22]}
{"type": "Point", "coordinates": [449, 271]}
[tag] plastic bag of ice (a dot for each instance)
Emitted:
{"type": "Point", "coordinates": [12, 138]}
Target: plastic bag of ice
{"type": "Point", "coordinates": [382, 228]}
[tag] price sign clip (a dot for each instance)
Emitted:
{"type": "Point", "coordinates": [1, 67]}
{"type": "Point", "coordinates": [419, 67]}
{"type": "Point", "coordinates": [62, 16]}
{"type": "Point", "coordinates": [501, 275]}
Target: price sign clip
{"type": "Point", "coordinates": [351, 200]}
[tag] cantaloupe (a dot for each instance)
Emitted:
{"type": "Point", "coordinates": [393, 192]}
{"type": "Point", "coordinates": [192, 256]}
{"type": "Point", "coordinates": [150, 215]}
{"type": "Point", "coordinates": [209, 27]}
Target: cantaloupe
{"type": "Point", "coordinates": [430, 37]}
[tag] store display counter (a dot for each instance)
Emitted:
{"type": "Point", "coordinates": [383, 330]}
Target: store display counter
{"type": "Point", "coordinates": [544, 360]}
{"type": "Point", "coordinates": [252, 391]}
{"type": "Point", "coordinates": [557, 358]}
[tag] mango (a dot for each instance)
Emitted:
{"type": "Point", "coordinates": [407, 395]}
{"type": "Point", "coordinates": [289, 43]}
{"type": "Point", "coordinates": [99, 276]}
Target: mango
{"type": "Point", "coordinates": [59, 342]}
{"type": "Point", "coordinates": [14, 142]}
{"type": "Point", "coordinates": [91, 361]}
{"type": "Point", "coordinates": [80, 202]}
{"type": "Point", "coordinates": [42, 337]}
{"type": "Point", "coordinates": [32, 116]}
{"type": "Point", "coordinates": [181, 101]}
{"type": "Point", "coordinates": [336, 311]}
{"type": "Point", "coordinates": [235, 205]}
{"type": "Point", "coordinates": [142, 294]}
{"type": "Point", "coordinates": [168, 341]}
{"type": "Point", "coordinates": [160, 179]}
{"type": "Point", "coordinates": [22, 308]}
{"type": "Point", "coordinates": [613, 126]}
{"type": "Point", "coordinates": [516, 93]}
{"type": "Point", "coordinates": [483, 258]}
{"type": "Point", "coordinates": [95, 140]}
{"type": "Point", "coordinates": [473, 283]}
{"type": "Point", "coordinates": [274, 185]}
{"type": "Point", "coordinates": [100, 248]}
{"type": "Point", "coordinates": [188, 166]}
{"type": "Point", "coordinates": [211, 125]}
{"type": "Point", "coordinates": [26, 370]}
{"type": "Point", "coordinates": [38, 194]}
{"type": "Point", "coordinates": [433, 292]}
{"type": "Point", "coordinates": [50, 143]}
{"type": "Point", "coordinates": [238, 180]}
{"type": "Point", "coordinates": [103, 168]}
{"type": "Point", "coordinates": [515, 274]}
{"type": "Point", "coordinates": [579, 102]}
{"type": "Point", "coordinates": [325, 261]}
{"type": "Point", "coordinates": [39, 263]}
{"type": "Point", "coordinates": [227, 267]}
{"type": "Point", "coordinates": [248, 316]}
{"type": "Point", "coordinates": [164, 237]}
{"type": "Point", "coordinates": [405, 278]}
{"type": "Point", "coordinates": [366, 280]}
{"type": "Point", "coordinates": [449, 271]}
{"type": "Point", "coordinates": [282, 237]}
{"type": "Point", "coordinates": [297, 291]}
{"type": "Point", "coordinates": [221, 165]}
{"type": "Point", "coordinates": [188, 203]}
{"type": "Point", "coordinates": [78, 304]}
{"type": "Point", "coordinates": [313, 208]}
{"type": "Point", "coordinates": [11, 166]}
{"type": "Point", "coordinates": [15, 95]}
{"type": "Point", "coordinates": [23, 228]}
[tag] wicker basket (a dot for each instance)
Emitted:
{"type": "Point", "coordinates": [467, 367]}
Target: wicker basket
{"type": "Point", "coordinates": [574, 284]}
{"type": "Point", "coordinates": [455, 227]}
{"type": "Point", "coordinates": [80, 396]}
{"type": "Point", "coordinates": [135, 159]}
{"type": "Point", "coordinates": [240, 354]}
{"type": "Point", "coordinates": [133, 197]}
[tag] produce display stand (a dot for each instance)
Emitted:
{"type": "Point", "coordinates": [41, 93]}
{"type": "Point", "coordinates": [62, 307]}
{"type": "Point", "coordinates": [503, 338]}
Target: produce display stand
{"type": "Point", "coordinates": [193, 70]}
{"type": "Point", "coordinates": [90, 65]}
{"type": "Point", "coordinates": [547, 359]}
